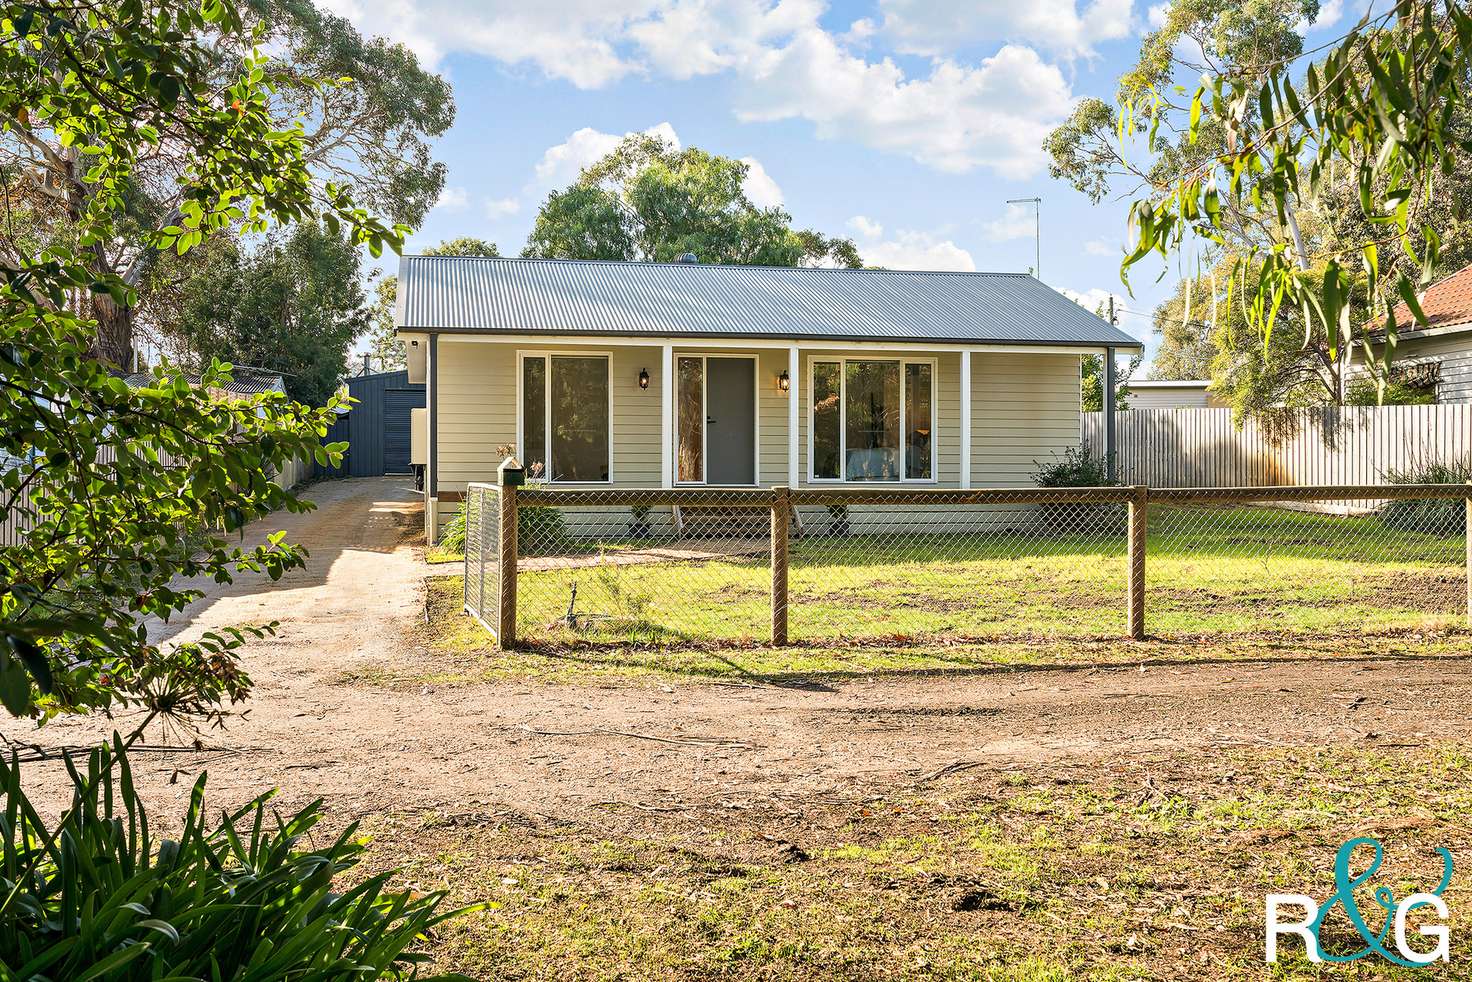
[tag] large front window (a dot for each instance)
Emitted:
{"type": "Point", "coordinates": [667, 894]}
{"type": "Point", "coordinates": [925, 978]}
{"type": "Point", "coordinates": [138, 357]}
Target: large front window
{"type": "Point", "coordinates": [565, 417]}
{"type": "Point", "coordinates": [872, 420]}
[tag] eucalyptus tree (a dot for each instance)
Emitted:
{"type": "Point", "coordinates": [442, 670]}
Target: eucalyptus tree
{"type": "Point", "coordinates": [650, 201]}
{"type": "Point", "coordinates": [110, 493]}
{"type": "Point", "coordinates": [363, 112]}
{"type": "Point", "coordinates": [1330, 179]}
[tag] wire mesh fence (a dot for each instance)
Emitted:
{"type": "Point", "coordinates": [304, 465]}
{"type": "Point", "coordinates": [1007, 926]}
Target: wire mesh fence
{"type": "Point", "coordinates": [867, 564]}
{"type": "Point", "coordinates": [699, 565]}
{"type": "Point", "coordinates": [1278, 561]}
{"type": "Point", "coordinates": [640, 565]}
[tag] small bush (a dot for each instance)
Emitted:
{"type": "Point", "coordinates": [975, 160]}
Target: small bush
{"type": "Point", "coordinates": [93, 898]}
{"type": "Point", "coordinates": [1078, 467]}
{"type": "Point", "coordinates": [452, 536]}
{"type": "Point", "coordinates": [1439, 516]}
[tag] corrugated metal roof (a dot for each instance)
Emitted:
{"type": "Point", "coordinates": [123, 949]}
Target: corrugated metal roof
{"type": "Point", "coordinates": [244, 381]}
{"type": "Point", "coordinates": [561, 296]}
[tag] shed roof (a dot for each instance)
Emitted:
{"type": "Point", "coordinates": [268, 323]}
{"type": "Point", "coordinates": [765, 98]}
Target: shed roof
{"type": "Point", "coordinates": [244, 381]}
{"type": "Point", "coordinates": [465, 294]}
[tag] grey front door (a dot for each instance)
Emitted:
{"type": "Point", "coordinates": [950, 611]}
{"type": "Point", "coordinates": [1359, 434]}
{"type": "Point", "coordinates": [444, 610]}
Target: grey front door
{"type": "Point", "coordinates": [730, 421]}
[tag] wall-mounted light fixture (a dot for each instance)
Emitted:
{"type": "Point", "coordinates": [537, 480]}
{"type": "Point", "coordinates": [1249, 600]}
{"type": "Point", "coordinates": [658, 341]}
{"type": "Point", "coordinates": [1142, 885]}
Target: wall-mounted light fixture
{"type": "Point", "coordinates": [643, 378]}
{"type": "Point", "coordinates": [784, 382]}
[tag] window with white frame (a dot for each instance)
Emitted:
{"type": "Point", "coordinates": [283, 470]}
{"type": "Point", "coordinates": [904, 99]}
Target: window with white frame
{"type": "Point", "coordinates": [565, 417]}
{"type": "Point", "coordinates": [872, 419]}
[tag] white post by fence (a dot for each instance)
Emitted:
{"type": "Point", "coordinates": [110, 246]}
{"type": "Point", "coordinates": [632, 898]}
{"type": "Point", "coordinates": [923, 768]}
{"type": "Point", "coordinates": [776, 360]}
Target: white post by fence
{"type": "Point", "coordinates": [966, 419]}
{"type": "Point", "coordinates": [1467, 538]}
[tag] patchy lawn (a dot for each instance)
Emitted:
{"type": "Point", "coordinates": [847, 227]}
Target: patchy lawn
{"type": "Point", "coordinates": [1209, 570]}
{"type": "Point", "coordinates": [461, 652]}
{"type": "Point", "coordinates": [1149, 867]}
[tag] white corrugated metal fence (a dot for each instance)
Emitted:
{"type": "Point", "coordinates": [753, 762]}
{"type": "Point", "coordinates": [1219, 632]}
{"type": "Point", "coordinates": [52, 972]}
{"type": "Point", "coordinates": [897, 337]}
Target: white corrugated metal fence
{"type": "Point", "coordinates": [1187, 448]}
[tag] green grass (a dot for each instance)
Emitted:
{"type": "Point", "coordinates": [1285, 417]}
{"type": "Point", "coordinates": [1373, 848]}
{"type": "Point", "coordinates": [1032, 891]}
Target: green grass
{"type": "Point", "coordinates": [1152, 868]}
{"type": "Point", "coordinates": [461, 652]}
{"type": "Point", "coordinates": [436, 556]}
{"type": "Point", "coordinates": [1208, 570]}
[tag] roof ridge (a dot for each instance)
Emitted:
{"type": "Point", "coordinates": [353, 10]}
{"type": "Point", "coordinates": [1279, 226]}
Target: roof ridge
{"type": "Point", "coordinates": [679, 265]}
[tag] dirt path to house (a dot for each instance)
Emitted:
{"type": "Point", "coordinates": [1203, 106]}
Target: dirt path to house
{"type": "Point", "coordinates": [569, 750]}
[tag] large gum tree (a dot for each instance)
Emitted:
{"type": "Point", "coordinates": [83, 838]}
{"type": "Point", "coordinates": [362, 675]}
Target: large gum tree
{"type": "Point", "coordinates": [113, 495]}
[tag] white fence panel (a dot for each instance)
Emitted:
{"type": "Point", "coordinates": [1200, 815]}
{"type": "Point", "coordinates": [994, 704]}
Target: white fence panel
{"type": "Point", "coordinates": [1186, 448]}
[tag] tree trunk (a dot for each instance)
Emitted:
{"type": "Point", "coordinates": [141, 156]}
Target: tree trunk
{"type": "Point", "coordinates": [114, 343]}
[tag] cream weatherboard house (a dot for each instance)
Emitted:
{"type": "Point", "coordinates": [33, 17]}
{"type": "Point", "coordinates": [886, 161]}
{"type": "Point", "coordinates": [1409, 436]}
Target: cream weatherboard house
{"type": "Point", "coordinates": [675, 374]}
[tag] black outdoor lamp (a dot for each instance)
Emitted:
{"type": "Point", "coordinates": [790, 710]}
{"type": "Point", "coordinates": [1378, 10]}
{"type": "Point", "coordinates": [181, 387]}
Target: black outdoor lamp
{"type": "Point", "coordinates": [784, 382]}
{"type": "Point", "coordinates": [643, 378]}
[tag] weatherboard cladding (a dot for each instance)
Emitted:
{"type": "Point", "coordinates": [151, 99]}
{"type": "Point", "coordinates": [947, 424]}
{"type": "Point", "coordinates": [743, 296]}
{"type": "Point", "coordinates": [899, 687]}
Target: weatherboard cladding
{"type": "Point", "coordinates": [569, 297]}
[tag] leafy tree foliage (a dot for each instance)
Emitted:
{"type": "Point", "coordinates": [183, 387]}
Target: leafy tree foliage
{"type": "Point", "coordinates": [648, 201]}
{"type": "Point", "coordinates": [1331, 182]}
{"type": "Point", "coordinates": [119, 492]}
{"type": "Point", "coordinates": [1091, 385]}
{"type": "Point", "coordinates": [384, 345]}
{"type": "Point", "coordinates": [292, 304]}
{"type": "Point", "coordinates": [1186, 349]}
{"type": "Point", "coordinates": [1207, 331]}
{"type": "Point", "coordinates": [362, 113]}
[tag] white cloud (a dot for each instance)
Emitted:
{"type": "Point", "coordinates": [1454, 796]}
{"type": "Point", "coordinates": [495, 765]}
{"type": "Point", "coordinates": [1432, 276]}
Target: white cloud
{"type": "Point", "coordinates": [1017, 222]}
{"type": "Point", "coordinates": [573, 40]}
{"type": "Point", "coordinates": [759, 186]}
{"type": "Point", "coordinates": [498, 208]}
{"type": "Point", "coordinates": [452, 199]}
{"type": "Point", "coordinates": [1329, 14]}
{"type": "Point", "coordinates": [1096, 299]}
{"type": "Point", "coordinates": [1157, 15]}
{"type": "Point", "coordinates": [785, 65]}
{"type": "Point", "coordinates": [1102, 247]}
{"type": "Point", "coordinates": [907, 248]}
{"type": "Point", "coordinates": [860, 32]}
{"type": "Point", "coordinates": [561, 164]}
{"type": "Point", "coordinates": [938, 27]}
{"type": "Point", "coordinates": [995, 115]}
{"type": "Point", "coordinates": [701, 37]}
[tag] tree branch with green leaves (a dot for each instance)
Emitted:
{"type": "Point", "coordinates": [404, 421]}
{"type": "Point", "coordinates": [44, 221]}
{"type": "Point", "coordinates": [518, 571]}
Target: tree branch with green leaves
{"type": "Point", "coordinates": [122, 500]}
{"type": "Point", "coordinates": [1379, 111]}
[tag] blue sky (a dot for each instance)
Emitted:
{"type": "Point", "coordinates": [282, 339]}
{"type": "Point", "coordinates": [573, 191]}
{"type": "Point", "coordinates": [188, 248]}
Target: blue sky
{"type": "Point", "coordinates": [902, 123]}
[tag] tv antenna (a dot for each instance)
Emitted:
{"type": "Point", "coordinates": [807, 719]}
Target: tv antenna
{"type": "Point", "coordinates": [1037, 230]}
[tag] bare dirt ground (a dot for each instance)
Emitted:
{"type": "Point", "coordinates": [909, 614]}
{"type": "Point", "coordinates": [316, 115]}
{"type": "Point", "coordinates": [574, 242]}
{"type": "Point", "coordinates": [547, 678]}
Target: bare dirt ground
{"type": "Point", "coordinates": [567, 751]}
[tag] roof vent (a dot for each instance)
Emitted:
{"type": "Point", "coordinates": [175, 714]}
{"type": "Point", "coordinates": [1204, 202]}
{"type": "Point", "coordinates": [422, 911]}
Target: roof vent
{"type": "Point", "coordinates": [688, 259]}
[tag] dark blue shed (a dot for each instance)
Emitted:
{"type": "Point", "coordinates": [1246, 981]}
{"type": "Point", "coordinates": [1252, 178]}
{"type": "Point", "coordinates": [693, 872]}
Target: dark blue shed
{"type": "Point", "coordinates": [378, 426]}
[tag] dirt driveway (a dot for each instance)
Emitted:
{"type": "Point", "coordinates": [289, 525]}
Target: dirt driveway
{"type": "Point", "coordinates": [561, 750]}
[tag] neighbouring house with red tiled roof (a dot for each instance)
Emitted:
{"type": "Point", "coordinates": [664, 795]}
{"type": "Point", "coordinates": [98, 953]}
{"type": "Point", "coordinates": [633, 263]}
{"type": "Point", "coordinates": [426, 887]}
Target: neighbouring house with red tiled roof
{"type": "Point", "coordinates": [1438, 354]}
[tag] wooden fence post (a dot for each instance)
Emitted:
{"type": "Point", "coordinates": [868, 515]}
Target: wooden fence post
{"type": "Point", "coordinates": [509, 477]}
{"type": "Point", "coordinates": [1139, 508]}
{"type": "Point", "coordinates": [780, 505]}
